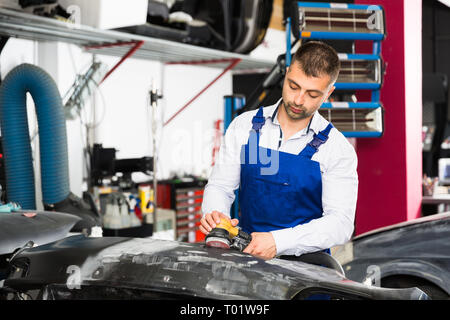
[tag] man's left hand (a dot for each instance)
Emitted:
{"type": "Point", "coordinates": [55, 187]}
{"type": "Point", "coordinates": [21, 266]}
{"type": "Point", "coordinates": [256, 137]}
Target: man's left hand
{"type": "Point", "coordinates": [262, 245]}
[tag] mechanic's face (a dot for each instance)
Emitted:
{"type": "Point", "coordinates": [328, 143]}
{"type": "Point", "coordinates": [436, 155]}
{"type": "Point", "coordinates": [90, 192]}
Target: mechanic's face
{"type": "Point", "coordinates": [303, 95]}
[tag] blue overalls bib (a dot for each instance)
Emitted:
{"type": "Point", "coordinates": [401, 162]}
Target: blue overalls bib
{"type": "Point", "coordinates": [286, 198]}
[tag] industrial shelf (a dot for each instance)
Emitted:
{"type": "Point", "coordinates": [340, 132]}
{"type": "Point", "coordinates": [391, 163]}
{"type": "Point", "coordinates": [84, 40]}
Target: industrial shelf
{"type": "Point", "coordinates": [114, 43]}
{"type": "Point", "coordinates": [355, 119]}
{"type": "Point", "coordinates": [339, 21]}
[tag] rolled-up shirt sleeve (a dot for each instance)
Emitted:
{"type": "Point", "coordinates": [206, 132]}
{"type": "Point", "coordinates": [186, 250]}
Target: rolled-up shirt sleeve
{"type": "Point", "coordinates": [225, 176]}
{"type": "Point", "coordinates": [339, 196]}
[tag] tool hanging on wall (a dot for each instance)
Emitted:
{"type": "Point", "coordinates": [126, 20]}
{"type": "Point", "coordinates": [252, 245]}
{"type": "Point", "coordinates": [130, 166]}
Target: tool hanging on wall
{"type": "Point", "coordinates": [83, 88]}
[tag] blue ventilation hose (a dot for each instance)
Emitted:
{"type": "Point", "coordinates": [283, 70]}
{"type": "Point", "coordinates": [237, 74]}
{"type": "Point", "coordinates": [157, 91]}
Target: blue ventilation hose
{"type": "Point", "coordinates": [20, 187]}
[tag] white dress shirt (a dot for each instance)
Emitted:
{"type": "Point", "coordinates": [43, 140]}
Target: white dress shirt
{"type": "Point", "coordinates": [338, 163]}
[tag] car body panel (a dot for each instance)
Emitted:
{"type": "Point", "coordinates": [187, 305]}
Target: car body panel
{"type": "Point", "coordinates": [189, 269]}
{"type": "Point", "coordinates": [417, 248]}
{"type": "Point", "coordinates": [19, 227]}
{"type": "Point", "coordinates": [433, 217]}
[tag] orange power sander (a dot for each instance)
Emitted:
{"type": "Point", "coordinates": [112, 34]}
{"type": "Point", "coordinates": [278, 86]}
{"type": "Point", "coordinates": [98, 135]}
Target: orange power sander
{"type": "Point", "coordinates": [224, 235]}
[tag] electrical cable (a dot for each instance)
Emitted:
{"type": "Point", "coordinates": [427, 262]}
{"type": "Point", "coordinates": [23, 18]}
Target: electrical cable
{"type": "Point", "coordinates": [150, 131]}
{"type": "Point", "coordinates": [88, 126]}
{"type": "Point", "coordinates": [103, 114]}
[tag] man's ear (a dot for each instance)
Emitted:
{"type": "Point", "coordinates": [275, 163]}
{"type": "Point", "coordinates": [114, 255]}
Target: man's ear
{"type": "Point", "coordinates": [287, 70]}
{"type": "Point", "coordinates": [330, 92]}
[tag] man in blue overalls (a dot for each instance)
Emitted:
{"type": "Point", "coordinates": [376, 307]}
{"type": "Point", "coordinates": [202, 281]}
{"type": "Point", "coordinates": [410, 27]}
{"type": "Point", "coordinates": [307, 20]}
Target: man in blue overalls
{"type": "Point", "coordinates": [296, 172]}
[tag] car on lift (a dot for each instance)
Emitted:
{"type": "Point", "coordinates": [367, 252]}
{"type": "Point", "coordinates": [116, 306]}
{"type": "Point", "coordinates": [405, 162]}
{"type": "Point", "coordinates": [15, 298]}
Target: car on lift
{"type": "Point", "coordinates": [415, 253]}
{"type": "Point", "coordinates": [39, 261]}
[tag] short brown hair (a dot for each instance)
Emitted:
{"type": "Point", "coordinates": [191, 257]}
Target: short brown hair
{"type": "Point", "coordinates": [317, 58]}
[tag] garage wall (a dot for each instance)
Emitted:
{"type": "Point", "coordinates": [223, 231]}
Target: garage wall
{"type": "Point", "coordinates": [122, 115]}
{"type": "Point", "coordinates": [187, 141]}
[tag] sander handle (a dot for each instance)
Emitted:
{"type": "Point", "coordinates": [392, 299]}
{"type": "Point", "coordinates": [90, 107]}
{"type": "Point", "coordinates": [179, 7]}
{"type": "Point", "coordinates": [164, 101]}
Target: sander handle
{"type": "Point", "coordinates": [226, 224]}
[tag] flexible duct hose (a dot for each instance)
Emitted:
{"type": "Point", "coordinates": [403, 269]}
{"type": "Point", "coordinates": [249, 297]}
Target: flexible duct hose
{"type": "Point", "coordinates": [20, 186]}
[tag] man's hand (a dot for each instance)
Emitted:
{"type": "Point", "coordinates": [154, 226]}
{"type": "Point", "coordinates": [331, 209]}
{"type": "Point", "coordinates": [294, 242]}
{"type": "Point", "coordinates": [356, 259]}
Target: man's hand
{"type": "Point", "coordinates": [262, 245]}
{"type": "Point", "coordinates": [210, 220]}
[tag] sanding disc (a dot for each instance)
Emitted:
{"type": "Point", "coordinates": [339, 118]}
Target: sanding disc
{"type": "Point", "coordinates": [216, 242]}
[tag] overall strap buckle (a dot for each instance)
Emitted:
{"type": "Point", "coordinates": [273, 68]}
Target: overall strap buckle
{"type": "Point", "coordinates": [258, 120]}
{"type": "Point", "coordinates": [317, 142]}
{"type": "Point", "coordinates": [320, 138]}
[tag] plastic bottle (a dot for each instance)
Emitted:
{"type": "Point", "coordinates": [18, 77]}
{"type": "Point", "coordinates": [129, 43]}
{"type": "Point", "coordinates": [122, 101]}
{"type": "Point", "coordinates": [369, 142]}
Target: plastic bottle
{"type": "Point", "coordinates": [124, 212]}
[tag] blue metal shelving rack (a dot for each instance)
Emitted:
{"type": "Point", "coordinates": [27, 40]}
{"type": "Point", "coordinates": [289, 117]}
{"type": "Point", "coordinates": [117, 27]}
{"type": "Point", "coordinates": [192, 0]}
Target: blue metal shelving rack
{"type": "Point", "coordinates": [340, 21]}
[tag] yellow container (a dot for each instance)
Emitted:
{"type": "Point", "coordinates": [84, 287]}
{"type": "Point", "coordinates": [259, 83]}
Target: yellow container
{"type": "Point", "coordinates": [145, 193]}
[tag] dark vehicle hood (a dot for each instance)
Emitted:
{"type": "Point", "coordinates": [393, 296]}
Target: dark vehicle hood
{"type": "Point", "coordinates": [425, 238]}
{"type": "Point", "coordinates": [414, 222]}
{"type": "Point", "coordinates": [418, 249]}
{"type": "Point", "coordinates": [16, 229]}
{"type": "Point", "coordinates": [181, 268]}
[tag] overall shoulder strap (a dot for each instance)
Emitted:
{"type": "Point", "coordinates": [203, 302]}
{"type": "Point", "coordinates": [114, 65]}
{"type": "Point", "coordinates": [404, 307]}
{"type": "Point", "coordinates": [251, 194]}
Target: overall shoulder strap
{"type": "Point", "coordinates": [253, 138]}
{"type": "Point", "coordinates": [318, 139]}
{"type": "Point", "coordinates": [258, 120]}
{"type": "Point", "coordinates": [257, 123]}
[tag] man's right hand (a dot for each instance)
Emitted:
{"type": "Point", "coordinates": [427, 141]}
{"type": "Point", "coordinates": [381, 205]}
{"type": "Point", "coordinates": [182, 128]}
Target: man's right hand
{"type": "Point", "coordinates": [210, 220]}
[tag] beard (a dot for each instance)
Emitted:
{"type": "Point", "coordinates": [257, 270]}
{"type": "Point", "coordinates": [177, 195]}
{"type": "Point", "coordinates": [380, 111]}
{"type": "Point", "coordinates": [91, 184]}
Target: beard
{"type": "Point", "coordinates": [299, 113]}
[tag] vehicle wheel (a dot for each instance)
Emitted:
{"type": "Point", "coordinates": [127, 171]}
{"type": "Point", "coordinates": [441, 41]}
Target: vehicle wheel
{"type": "Point", "coordinates": [433, 291]}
